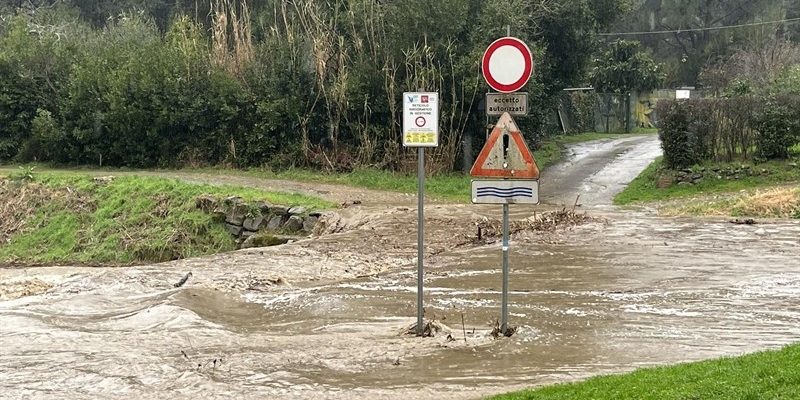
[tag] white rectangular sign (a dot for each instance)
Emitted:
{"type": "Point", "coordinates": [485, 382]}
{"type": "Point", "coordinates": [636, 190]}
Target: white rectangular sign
{"type": "Point", "coordinates": [513, 103]}
{"type": "Point", "coordinates": [420, 119]}
{"type": "Point", "coordinates": [505, 191]}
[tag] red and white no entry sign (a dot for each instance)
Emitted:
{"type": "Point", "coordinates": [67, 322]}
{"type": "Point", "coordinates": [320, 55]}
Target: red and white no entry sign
{"type": "Point", "coordinates": [507, 64]}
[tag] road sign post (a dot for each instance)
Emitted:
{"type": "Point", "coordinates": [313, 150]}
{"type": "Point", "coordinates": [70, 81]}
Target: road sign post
{"type": "Point", "coordinates": [513, 179]}
{"type": "Point", "coordinates": [504, 311]}
{"type": "Point", "coordinates": [420, 129]}
{"type": "Point", "coordinates": [507, 66]}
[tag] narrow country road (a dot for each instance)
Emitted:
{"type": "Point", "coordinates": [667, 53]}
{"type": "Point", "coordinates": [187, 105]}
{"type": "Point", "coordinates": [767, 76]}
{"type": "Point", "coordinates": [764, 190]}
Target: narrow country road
{"type": "Point", "coordinates": [598, 170]}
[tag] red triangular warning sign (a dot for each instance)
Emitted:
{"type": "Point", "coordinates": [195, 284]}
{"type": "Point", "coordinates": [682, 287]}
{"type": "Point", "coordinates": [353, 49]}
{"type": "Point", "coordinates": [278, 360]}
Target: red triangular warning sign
{"type": "Point", "coordinates": [505, 154]}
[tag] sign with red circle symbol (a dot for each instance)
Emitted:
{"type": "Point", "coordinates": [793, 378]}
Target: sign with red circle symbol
{"type": "Point", "coordinates": [420, 119]}
{"type": "Point", "coordinates": [507, 64]}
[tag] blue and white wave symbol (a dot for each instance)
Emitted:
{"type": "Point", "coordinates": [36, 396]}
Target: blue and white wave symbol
{"type": "Point", "coordinates": [505, 193]}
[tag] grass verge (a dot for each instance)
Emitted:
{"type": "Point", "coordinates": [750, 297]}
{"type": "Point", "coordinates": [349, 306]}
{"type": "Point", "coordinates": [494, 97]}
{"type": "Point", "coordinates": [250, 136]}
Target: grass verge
{"type": "Point", "coordinates": [763, 375]}
{"type": "Point", "coordinates": [71, 218]}
{"type": "Point", "coordinates": [645, 188]}
{"type": "Point", "coordinates": [453, 187]}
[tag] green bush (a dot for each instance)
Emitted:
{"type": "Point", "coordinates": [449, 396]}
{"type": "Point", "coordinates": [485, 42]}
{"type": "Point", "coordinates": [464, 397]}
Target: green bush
{"type": "Point", "coordinates": [728, 129]}
{"type": "Point", "coordinates": [676, 138]}
{"type": "Point", "coordinates": [777, 129]}
{"type": "Point", "coordinates": [582, 105]}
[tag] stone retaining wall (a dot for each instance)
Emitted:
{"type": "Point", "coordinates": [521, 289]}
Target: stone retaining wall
{"type": "Point", "coordinates": [247, 220]}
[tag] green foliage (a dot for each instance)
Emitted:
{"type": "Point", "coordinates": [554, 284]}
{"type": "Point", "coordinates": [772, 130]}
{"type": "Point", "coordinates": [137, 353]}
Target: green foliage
{"type": "Point", "coordinates": [128, 220]}
{"type": "Point", "coordinates": [676, 139]}
{"type": "Point", "coordinates": [148, 83]}
{"type": "Point", "coordinates": [582, 110]}
{"type": "Point", "coordinates": [26, 173]}
{"type": "Point", "coordinates": [763, 375]}
{"type": "Point", "coordinates": [778, 129]}
{"type": "Point", "coordinates": [787, 82]}
{"type": "Point", "coordinates": [625, 68]}
{"type": "Point", "coordinates": [725, 129]}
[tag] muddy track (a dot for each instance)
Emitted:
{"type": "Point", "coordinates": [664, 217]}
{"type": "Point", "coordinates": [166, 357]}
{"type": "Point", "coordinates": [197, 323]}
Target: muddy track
{"type": "Point", "coordinates": [321, 318]}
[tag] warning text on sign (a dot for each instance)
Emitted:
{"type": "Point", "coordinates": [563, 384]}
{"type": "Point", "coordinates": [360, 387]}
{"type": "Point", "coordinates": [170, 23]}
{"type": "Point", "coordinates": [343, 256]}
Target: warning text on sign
{"type": "Point", "coordinates": [420, 119]}
{"type": "Point", "coordinates": [515, 104]}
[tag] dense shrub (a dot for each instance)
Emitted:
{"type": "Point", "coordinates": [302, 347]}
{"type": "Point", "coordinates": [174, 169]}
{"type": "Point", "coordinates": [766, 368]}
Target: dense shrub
{"type": "Point", "coordinates": [308, 82]}
{"type": "Point", "coordinates": [778, 129]}
{"type": "Point", "coordinates": [727, 129]}
{"type": "Point", "coordinates": [676, 139]}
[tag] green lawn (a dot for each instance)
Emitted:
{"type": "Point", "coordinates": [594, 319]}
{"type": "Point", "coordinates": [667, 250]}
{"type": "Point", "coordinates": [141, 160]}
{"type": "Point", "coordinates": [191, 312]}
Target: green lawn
{"type": "Point", "coordinates": [759, 376]}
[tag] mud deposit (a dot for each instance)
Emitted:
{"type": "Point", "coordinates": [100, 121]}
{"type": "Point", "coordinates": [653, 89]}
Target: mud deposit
{"type": "Point", "coordinates": [323, 318]}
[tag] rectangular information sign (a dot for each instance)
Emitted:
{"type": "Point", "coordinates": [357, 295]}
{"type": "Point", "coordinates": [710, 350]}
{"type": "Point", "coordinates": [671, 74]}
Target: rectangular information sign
{"type": "Point", "coordinates": [420, 119]}
{"type": "Point", "coordinates": [505, 191]}
{"type": "Point", "coordinates": [515, 104]}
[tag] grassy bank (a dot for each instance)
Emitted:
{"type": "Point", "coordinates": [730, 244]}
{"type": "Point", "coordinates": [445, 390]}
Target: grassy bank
{"type": "Point", "coordinates": [70, 218]}
{"type": "Point", "coordinates": [763, 375]}
{"type": "Point", "coordinates": [746, 195]}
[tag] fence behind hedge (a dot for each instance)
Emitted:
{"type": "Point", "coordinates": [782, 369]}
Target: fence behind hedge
{"type": "Point", "coordinates": [726, 129]}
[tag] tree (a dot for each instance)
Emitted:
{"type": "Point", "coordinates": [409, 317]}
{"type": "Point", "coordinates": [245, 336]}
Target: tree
{"type": "Point", "coordinates": [625, 68]}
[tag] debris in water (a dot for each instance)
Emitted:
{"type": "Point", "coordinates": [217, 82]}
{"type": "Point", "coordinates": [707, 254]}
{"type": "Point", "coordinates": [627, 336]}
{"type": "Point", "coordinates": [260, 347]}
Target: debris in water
{"type": "Point", "coordinates": [429, 328]}
{"type": "Point", "coordinates": [351, 203]}
{"type": "Point", "coordinates": [497, 331]}
{"type": "Point", "coordinates": [491, 229]}
{"type": "Point", "coordinates": [746, 221]}
{"type": "Point", "coordinates": [183, 280]}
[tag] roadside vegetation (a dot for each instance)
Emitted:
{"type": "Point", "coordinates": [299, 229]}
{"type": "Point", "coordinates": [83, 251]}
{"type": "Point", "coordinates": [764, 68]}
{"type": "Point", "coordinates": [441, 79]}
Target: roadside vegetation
{"type": "Point", "coordinates": [762, 375]}
{"type": "Point", "coordinates": [306, 84]}
{"type": "Point", "coordinates": [77, 219]}
{"type": "Point", "coordinates": [770, 192]}
{"type": "Point", "coordinates": [445, 186]}
{"type": "Point", "coordinates": [722, 154]}
{"type": "Point", "coordinates": [453, 187]}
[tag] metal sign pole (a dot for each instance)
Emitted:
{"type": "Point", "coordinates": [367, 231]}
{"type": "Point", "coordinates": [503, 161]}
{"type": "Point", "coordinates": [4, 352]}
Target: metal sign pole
{"type": "Point", "coordinates": [420, 236]}
{"type": "Point", "coordinates": [504, 326]}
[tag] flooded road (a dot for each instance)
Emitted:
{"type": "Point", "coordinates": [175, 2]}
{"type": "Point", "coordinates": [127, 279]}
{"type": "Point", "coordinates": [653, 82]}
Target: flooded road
{"type": "Point", "coordinates": [606, 297]}
{"type": "Point", "coordinates": [598, 170]}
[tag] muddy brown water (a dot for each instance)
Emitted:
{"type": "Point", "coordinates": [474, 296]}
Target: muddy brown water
{"type": "Point", "coordinates": [607, 297]}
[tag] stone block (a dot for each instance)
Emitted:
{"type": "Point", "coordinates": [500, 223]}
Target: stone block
{"type": "Point", "coordinates": [206, 203]}
{"type": "Point", "coordinates": [237, 214]}
{"type": "Point", "coordinates": [293, 224]}
{"type": "Point", "coordinates": [297, 210]}
{"type": "Point", "coordinates": [263, 206]}
{"type": "Point", "coordinates": [254, 223]}
{"type": "Point", "coordinates": [235, 230]}
{"type": "Point", "coordinates": [275, 223]}
{"type": "Point", "coordinates": [231, 200]}
{"type": "Point", "coordinates": [279, 210]}
{"type": "Point", "coordinates": [309, 223]}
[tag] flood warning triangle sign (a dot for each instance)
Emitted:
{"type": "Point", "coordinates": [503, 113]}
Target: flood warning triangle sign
{"type": "Point", "coordinates": [505, 154]}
